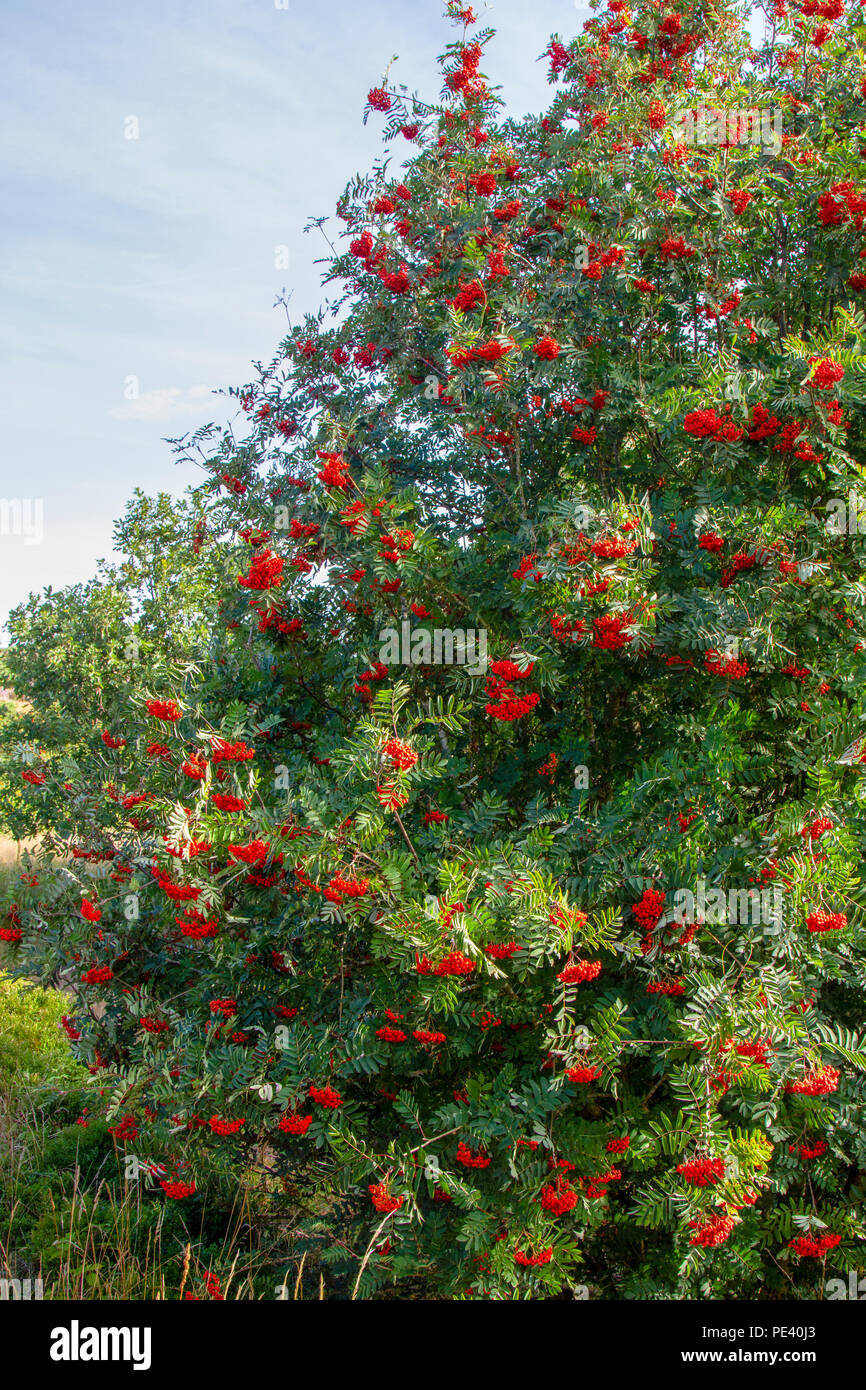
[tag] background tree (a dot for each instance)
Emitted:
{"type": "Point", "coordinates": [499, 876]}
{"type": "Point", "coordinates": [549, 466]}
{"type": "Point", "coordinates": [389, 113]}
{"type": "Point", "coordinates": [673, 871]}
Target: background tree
{"type": "Point", "coordinates": [79, 657]}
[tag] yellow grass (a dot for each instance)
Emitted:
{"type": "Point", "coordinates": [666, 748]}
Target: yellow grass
{"type": "Point", "coordinates": [12, 850]}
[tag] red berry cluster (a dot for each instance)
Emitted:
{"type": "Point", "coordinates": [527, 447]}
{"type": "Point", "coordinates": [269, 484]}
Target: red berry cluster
{"type": "Point", "coordinates": [469, 1159]}
{"type": "Point", "coordinates": [825, 373]}
{"type": "Point", "coordinates": [98, 975]}
{"type": "Point", "coordinates": [701, 423]}
{"type": "Point", "coordinates": [326, 1097]}
{"type": "Point", "coordinates": [125, 1129]}
{"type": "Point", "coordinates": [744, 561]}
{"type": "Point", "coordinates": [819, 1082]}
{"type": "Point", "coordinates": [799, 673]}
{"type": "Point", "coordinates": [176, 1190]}
{"type": "Point", "coordinates": [340, 888]}
{"type": "Point", "coordinates": [578, 972]}
{"type": "Point", "coordinates": [195, 925]}
{"type": "Point", "coordinates": [582, 1074]}
{"type": "Point", "coordinates": [807, 1151]}
{"type": "Point", "coordinates": [382, 1199]}
{"type": "Point", "coordinates": [822, 921]}
{"type": "Point", "coordinates": [656, 114]}
{"type": "Point", "coordinates": [505, 704]}
{"type": "Point", "coordinates": [715, 1232]}
{"type": "Point", "coordinates": [166, 710]}
{"type": "Point", "coordinates": [400, 754]}
{"type": "Point", "coordinates": [610, 632]}
{"type": "Point", "coordinates": [725, 665]}
{"type": "Point", "coordinates": [528, 1261]}
{"type": "Point", "coordinates": [266, 571]}
{"type": "Point", "coordinates": [618, 1146]}
{"type": "Point", "coordinates": [153, 1025]}
{"type": "Point", "coordinates": [254, 853]}
{"type": "Point", "coordinates": [502, 950]}
{"type": "Point", "coordinates": [650, 908]}
{"type": "Point", "coordinates": [226, 1007]}
{"type": "Point", "coordinates": [558, 1197]}
{"type": "Point", "coordinates": [391, 1035]}
{"type": "Point", "coordinates": [702, 1172]}
{"type": "Point", "coordinates": [335, 473]}
{"type": "Point", "coordinates": [225, 1126]}
{"type": "Point", "coordinates": [840, 203]}
{"type": "Point", "coordinates": [613, 548]}
{"type": "Point", "coordinates": [817, 828]}
{"type": "Point", "coordinates": [295, 1124]}
{"type": "Point", "coordinates": [379, 99]}
{"type": "Point", "coordinates": [814, 1246]}
{"type": "Point", "coordinates": [455, 963]}
{"type": "Point", "coordinates": [223, 752]}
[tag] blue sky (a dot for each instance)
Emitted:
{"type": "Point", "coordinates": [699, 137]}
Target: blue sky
{"type": "Point", "coordinates": [153, 258]}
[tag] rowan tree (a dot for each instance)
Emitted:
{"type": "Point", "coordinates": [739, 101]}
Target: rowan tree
{"type": "Point", "coordinates": [549, 967]}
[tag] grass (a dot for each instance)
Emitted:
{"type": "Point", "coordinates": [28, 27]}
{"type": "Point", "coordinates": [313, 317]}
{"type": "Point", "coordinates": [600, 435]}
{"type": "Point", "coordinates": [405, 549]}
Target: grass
{"type": "Point", "coordinates": [11, 852]}
{"type": "Point", "coordinates": [34, 1056]}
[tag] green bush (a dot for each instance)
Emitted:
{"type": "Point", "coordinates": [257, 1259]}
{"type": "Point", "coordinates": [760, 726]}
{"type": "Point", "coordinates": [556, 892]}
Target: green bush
{"type": "Point", "coordinates": [505, 974]}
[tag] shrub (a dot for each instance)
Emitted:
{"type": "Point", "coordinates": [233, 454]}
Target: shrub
{"type": "Point", "coordinates": [502, 968]}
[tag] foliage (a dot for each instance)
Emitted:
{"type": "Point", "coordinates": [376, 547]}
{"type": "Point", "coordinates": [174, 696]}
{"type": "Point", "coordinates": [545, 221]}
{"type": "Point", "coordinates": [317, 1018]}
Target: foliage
{"type": "Point", "coordinates": [424, 942]}
{"type": "Point", "coordinates": [79, 656]}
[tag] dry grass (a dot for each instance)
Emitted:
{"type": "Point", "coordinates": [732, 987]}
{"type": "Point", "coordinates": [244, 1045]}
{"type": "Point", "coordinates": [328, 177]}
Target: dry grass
{"type": "Point", "coordinates": [12, 850]}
